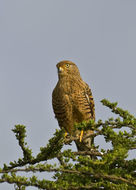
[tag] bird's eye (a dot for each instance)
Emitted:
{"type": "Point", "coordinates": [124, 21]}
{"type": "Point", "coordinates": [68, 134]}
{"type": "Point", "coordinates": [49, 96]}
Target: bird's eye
{"type": "Point", "coordinates": [67, 65]}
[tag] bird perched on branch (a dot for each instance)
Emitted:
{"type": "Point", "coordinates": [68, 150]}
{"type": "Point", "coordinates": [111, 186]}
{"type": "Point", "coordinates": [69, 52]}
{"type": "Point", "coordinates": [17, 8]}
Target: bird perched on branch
{"type": "Point", "coordinates": [73, 102]}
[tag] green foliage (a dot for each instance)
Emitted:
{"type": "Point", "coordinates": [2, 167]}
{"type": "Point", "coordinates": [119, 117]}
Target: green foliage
{"type": "Point", "coordinates": [110, 170]}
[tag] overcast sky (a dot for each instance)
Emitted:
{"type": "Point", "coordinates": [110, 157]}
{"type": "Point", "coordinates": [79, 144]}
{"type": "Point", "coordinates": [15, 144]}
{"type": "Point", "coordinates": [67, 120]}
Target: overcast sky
{"type": "Point", "coordinates": [98, 35]}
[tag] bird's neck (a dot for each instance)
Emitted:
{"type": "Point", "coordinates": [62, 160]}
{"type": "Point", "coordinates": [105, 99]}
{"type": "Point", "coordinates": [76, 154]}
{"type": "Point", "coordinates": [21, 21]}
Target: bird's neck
{"type": "Point", "coordinates": [69, 79]}
{"type": "Point", "coordinates": [68, 83]}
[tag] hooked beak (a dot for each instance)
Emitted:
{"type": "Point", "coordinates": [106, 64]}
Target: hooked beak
{"type": "Point", "coordinates": [60, 69]}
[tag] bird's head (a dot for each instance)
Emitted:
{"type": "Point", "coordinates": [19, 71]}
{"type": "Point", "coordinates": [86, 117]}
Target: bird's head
{"type": "Point", "coordinates": [67, 68]}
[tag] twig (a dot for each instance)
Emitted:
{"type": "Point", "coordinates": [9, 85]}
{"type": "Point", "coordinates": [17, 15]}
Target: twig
{"type": "Point", "coordinates": [108, 177]}
{"type": "Point", "coordinates": [91, 153]}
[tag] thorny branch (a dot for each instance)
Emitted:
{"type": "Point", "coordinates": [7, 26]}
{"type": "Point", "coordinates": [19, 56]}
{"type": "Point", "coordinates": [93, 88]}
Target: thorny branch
{"type": "Point", "coordinates": [111, 166]}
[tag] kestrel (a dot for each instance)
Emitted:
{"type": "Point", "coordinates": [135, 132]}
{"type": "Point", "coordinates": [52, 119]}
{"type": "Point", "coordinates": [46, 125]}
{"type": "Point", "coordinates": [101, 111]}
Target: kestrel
{"type": "Point", "coordinates": [72, 101]}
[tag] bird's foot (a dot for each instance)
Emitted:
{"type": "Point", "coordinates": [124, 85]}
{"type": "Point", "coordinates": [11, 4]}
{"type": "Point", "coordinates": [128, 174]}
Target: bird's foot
{"type": "Point", "coordinates": [65, 135]}
{"type": "Point", "coordinates": [81, 135]}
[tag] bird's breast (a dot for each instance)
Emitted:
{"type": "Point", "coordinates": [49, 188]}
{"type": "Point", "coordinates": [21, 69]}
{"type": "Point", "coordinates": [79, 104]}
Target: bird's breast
{"type": "Point", "coordinates": [65, 88]}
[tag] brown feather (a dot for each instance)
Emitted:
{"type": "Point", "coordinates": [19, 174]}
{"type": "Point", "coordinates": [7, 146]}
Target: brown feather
{"type": "Point", "coordinates": [72, 100]}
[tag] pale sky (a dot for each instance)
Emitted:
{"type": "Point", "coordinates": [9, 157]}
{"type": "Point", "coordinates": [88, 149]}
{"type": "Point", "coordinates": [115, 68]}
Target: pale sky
{"type": "Point", "coordinates": [98, 35]}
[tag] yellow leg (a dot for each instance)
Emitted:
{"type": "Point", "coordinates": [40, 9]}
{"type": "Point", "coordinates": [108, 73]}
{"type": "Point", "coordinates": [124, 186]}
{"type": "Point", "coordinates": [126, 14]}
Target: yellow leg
{"type": "Point", "coordinates": [65, 134]}
{"type": "Point", "coordinates": [81, 135]}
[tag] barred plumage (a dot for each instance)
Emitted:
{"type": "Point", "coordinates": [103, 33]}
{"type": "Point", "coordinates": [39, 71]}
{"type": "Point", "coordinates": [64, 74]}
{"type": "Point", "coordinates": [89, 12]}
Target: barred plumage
{"type": "Point", "coordinates": [72, 100]}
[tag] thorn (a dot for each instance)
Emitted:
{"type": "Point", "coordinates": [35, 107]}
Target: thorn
{"type": "Point", "coordinates": [81, 135]}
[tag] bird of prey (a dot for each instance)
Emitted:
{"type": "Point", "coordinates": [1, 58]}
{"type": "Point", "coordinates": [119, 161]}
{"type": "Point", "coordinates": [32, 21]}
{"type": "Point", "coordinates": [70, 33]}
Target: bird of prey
{"type": "Point", "coordinates": [73, 102]}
